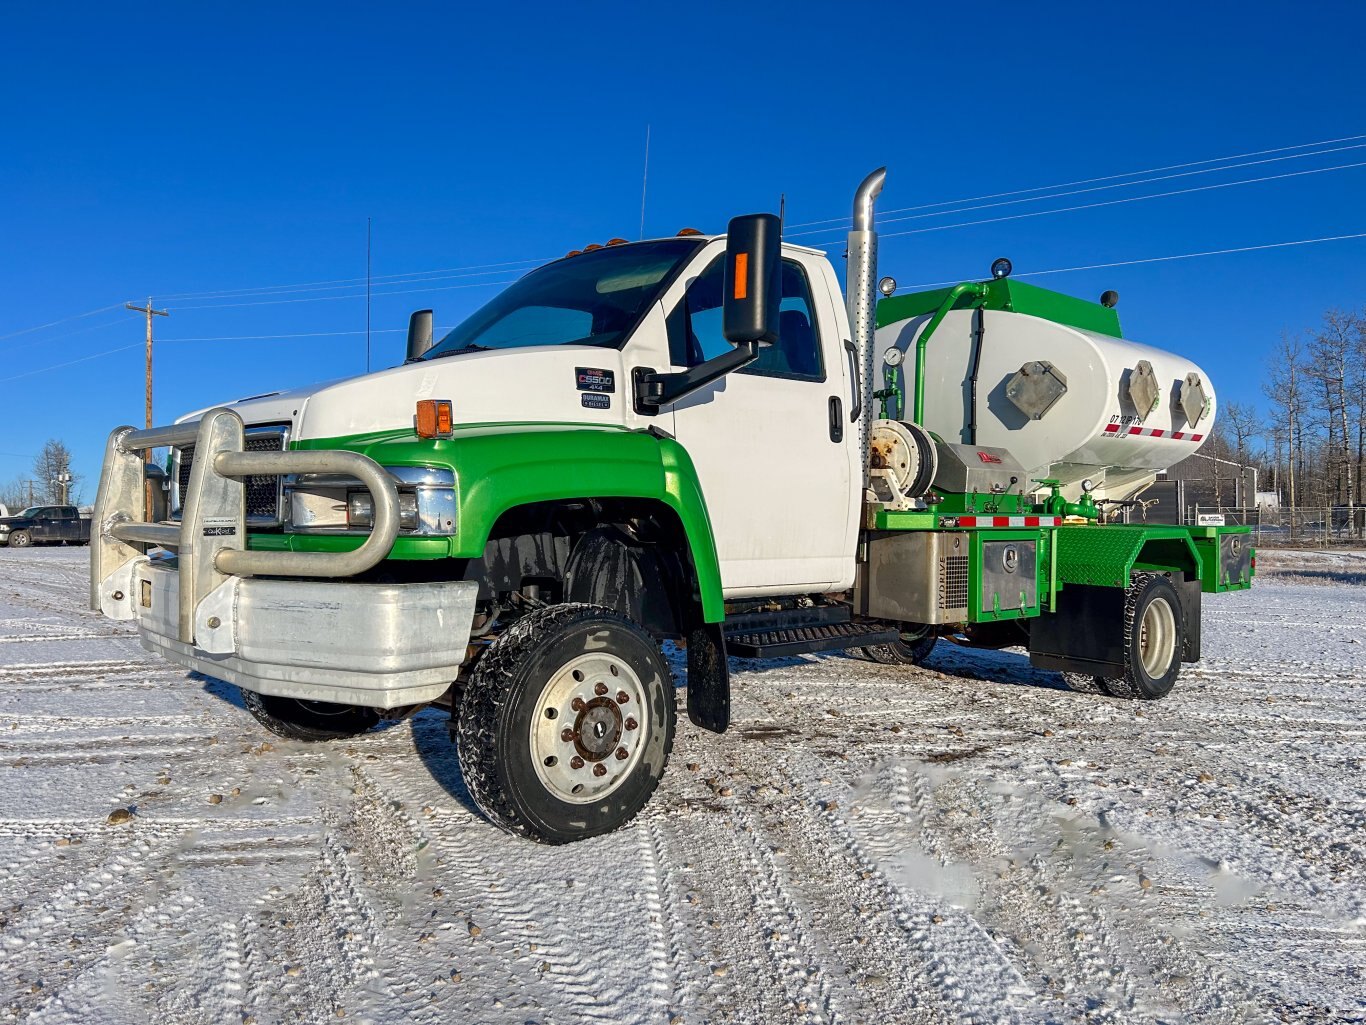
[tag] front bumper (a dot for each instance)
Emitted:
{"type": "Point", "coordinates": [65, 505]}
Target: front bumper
{"type": "Point", "coordinates": [284, 623]}
{"type": "Point", "coordinates": [379, 645]}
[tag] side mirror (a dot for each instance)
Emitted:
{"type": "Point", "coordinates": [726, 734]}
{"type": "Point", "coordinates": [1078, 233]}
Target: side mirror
{"type": "Point", "coordinates": [753, 280]}
{"type": "Point", "coordinates": [419, 334]}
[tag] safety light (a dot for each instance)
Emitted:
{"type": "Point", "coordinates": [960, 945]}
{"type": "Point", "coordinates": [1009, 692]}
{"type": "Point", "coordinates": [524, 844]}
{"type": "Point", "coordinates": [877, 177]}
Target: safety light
{"type": "Point", "coordinates": [434, 418]}
{"type": "Point", "coordinates": [616, 242]}
{"type": "Point", "coordinates": [591, 247]}
{"type": "Point", "coordinates": [687, 232]}
{"type": "Point", "coordinates": [572, 252]}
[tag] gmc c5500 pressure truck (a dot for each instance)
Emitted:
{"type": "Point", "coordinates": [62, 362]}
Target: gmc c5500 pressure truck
{"type": "Point", "coordinates": [691, 439]}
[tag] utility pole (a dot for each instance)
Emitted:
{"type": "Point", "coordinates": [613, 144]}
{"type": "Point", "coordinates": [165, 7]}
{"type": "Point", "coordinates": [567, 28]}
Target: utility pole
{"type": "Point", "coordinates": [150, 314]}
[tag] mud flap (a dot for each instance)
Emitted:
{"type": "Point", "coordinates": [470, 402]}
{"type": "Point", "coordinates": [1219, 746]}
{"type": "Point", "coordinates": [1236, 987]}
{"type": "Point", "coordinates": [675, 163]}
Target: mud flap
{"type": "Point", "coordinates": [708, 678]}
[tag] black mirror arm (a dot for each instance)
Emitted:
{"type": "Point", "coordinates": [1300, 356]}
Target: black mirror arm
{"type": "Point", "coordinates": [654, 390]}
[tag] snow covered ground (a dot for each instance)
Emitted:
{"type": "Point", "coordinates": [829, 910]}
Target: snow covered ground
{"type": "Point", "coordinates": [970, 842]}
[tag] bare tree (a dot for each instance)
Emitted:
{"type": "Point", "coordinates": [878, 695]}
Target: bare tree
{"type": "Point", "coordinates": [52, 471]}
{"type": "Point", "coordinates": [1244, 424]}
{"type": "Point", "coordinates": [1333, 367]}
{"type": "Point", "coordinates": [1284, 389]}
{"type": "Point", "coordinates": [14, 494]}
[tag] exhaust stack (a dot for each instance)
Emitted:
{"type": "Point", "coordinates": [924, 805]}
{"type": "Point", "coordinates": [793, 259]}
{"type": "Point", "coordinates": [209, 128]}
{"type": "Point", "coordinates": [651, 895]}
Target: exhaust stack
{"type": "Point", "coordinates": [861, 291]}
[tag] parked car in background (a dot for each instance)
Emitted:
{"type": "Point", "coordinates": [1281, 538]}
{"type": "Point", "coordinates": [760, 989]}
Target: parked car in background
{"type": "Point", "coordinates": [45, 524]}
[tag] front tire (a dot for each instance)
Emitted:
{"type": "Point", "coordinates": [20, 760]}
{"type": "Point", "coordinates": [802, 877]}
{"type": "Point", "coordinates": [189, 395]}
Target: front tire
{"type": "Point", "coordinates": [309, 720]}
{"type": "Point", "coordinates": [20, 539]}
{"type": "Point", "coordinates": [566, 724]}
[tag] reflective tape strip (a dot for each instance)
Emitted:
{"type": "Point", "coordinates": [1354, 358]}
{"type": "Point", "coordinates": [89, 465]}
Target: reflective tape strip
{"type": "Point", "coordinates": [1006, 521]}
{"type": "Point", "coordinates": [1151, 432]}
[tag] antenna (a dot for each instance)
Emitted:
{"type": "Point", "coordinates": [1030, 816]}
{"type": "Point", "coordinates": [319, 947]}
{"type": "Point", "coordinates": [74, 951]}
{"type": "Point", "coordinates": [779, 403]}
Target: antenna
{"type": "Point", "coordinates": [782, 212]}
{"type": "Point", "coordinates": [644, 179]}
{"type": "Point", "coordinates": [367, 295]}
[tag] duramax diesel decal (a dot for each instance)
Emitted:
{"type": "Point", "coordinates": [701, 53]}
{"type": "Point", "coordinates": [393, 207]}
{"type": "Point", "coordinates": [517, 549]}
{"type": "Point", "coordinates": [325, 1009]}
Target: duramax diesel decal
{"type": "Point", "coordinates": [593, 400]}
{"type": "Point", "coordinates": [595, 379]}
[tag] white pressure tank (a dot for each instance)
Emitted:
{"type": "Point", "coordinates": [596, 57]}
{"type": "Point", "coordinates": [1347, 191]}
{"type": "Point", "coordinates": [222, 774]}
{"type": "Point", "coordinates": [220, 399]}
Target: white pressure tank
{"type": "Point", "coordinates": [1067, 402]}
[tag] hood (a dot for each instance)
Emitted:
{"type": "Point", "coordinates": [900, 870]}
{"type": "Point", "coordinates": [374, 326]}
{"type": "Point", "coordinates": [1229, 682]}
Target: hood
{"type": "Point", "coordinates": [552, 383]}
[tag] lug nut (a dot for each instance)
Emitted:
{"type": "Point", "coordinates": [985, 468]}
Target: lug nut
{"type": "Point", "coordinates": [622, 754]}
{"type": "Point", "coordinates": [631, 724]}
{"type": "Point", "coordinates": [599, 688]}
{"type": "Point", "coordinates": [566, 734]}
{"type": "Point", "coordinates": [599, 769]}
{"type": "Point", "coordinates": [622, 697]}
{"type": "Point", "coordinates": [576, 762]}
{"type": "Point", "coordinates": [577, 704]}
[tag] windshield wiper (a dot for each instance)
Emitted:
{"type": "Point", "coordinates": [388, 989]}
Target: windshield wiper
{"type": "Point", "coordinates": [471, 347]}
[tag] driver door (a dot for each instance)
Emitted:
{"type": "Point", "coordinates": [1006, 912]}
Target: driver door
{"type": "Point", "coordinates": [770, 441]}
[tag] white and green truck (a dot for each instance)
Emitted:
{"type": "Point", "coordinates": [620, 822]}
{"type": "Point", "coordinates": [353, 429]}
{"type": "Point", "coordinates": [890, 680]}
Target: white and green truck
{"type": "Point", "coordinates": [693, 439]}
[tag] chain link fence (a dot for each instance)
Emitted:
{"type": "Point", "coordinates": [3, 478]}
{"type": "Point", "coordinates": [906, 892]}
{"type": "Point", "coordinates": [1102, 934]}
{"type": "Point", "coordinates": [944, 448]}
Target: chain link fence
{"type": "Point", "coordinates": [1318, 527]}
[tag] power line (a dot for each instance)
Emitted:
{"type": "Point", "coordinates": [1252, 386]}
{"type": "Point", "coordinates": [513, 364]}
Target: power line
{"type": "Point", "coordinates": [1115, 202]}
{"type": "Point", "coordinates": [1102, 178]}
{"type": "Point", "coordinates": [472, 270]}
{"type": "Point", "coordinates": [406, 277]}
{"type": "Point", "coordinates": [489, 269]}
{"type": "Point", "coordinates": [63, 320]}
{"type": "Point", "coordinates": [905, 288]}
{"type": "Point", "coordinates": [358, 295]}
{"type": "Point", "coordinates": [1150, 259]}
{"type": "Point", "coordinates": [1096, 188]}
{"type": "Point", "coordinates": [71, 362]}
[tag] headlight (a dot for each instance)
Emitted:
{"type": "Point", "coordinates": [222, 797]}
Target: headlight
{"type": "Point", "coordinates": [327, 503]}
{"type": "Point", "coordinates": [360, 510]}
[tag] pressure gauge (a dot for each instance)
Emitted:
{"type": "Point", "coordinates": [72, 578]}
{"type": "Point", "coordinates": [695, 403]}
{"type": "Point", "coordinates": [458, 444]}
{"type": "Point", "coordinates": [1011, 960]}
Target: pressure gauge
{"type": "Point", "coordinates": [893, 356]}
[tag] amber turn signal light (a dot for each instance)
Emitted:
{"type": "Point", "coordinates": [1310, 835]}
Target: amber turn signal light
{"type": "Point", "coordinates": [434, 418]}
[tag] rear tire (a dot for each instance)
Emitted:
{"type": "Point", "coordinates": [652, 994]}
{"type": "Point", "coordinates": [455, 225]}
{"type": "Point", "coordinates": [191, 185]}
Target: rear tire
{"type": "Point", "coordinates": [1154, 638]}
{"type": "Point", "coordinates": [20, 539]}
{"type": "Point", "coordinates": [309, 720]}
{"type": "Point", "coordinates": [548, 747]}
{"type": "Point", "coordinates": [911, 650]}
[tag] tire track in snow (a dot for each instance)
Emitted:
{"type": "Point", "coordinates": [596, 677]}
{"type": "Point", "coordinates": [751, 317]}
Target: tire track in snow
{"type": "Point", "coordinates": [957, 971]}
{"type": "Point", "coordinates": [554, 974]}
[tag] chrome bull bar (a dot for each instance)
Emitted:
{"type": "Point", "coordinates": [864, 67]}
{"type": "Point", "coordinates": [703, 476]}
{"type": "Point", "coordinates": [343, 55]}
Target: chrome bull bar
{"type": "Point", "coordinates": [210, 539]}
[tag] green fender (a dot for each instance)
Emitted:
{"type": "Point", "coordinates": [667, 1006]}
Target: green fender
{"type": "Point", "coordinates": [501, 466]}
{"type": "Point", "coordinates": [1105, 555]}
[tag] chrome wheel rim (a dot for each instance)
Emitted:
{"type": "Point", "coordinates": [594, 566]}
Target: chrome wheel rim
{"type": "Point", "coordinates": [589, 729]}
{"type": "Point", "coordinates": [1157, 638]}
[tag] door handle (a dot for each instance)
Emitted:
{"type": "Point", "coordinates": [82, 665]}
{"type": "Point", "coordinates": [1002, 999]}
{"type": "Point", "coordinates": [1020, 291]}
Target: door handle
{"type": "Point", "coordinates": [836, 419]}
{"type": "Point", "coordinates": [855, 407]}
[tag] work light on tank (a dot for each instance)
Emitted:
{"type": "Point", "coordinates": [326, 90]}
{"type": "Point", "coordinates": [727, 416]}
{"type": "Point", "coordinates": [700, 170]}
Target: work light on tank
{"type": "Point", "coordinates": [887, 286]}
{"type": "Point", "coordinates": [1001, 268]}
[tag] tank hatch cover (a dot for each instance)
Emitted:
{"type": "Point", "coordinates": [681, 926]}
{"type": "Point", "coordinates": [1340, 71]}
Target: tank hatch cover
{"type": "Point", "coordinates": [1036, 387]}
{"type": "Point", "coordinates": [1144, 389]}
{"type": "Point", "coordinates": [1194, 402]}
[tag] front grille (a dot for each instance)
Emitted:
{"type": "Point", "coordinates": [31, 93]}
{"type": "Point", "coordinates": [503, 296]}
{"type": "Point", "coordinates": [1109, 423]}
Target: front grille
{"type": "Point", "coordinates": [263, 492]}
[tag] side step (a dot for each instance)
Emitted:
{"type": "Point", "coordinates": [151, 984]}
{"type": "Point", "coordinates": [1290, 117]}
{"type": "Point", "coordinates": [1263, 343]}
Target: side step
{"type": "Point", "coordinates": [800, 632]}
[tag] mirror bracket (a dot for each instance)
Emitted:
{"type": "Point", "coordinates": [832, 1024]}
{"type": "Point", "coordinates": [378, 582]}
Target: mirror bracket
{"type": "Point", "coordinates": [654, 391]}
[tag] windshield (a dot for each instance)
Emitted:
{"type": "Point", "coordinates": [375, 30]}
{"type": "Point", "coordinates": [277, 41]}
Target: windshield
{"type": "Point", "coordinates": [594, 298]}
{"type": "Point", "coordinates": [29, 513]}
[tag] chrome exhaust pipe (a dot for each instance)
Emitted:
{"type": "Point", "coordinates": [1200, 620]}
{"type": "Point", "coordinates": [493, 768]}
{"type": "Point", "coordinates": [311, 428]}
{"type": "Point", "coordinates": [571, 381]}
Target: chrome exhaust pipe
{"type": "Point", "coordinates": [861, 293]}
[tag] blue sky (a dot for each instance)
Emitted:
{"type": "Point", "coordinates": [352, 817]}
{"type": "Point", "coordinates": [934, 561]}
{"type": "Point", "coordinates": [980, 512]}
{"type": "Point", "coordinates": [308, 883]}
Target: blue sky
{"type": "Point", "coordinates": [169, 150]}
